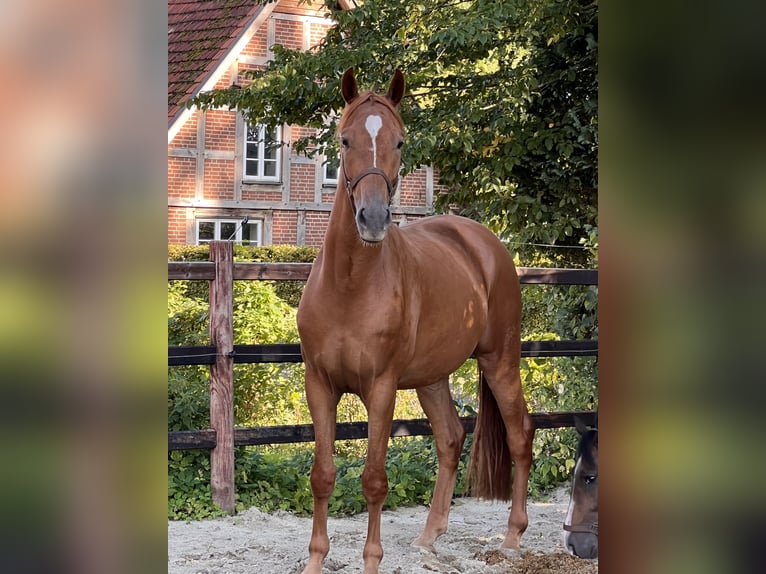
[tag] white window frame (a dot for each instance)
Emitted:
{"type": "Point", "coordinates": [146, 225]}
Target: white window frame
{"type": "Point", "coordinates": [217, 221]}
{"type": "Point", "coordinates": [328, 180]}
{"type": "Point", "coordinates": [260, 160]}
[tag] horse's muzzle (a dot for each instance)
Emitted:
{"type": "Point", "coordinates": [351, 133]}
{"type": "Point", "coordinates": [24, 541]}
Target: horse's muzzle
{"type": "Point", "coordinates": [582, 542]}
{"type": "Point", "coordinates": [372, 221]}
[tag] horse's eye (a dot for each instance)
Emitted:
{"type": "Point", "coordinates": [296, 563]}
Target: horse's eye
{"type": "Point", "coordinates": [344, 142]}
{"type": "Point", "coordinates": [399, 145]}
{"type": "Point", "coordinates": [590, 478]}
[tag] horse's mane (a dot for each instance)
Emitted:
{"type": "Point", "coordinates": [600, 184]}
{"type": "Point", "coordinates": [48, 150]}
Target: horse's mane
{"type": "Point", "coordinates": [364, 97]}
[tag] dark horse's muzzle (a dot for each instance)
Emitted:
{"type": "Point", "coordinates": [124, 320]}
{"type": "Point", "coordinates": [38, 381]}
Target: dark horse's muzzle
{"type": "Point", "coordinates": [582, 540]}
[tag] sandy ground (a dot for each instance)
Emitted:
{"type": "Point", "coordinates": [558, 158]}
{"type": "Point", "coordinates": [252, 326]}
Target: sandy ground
{"type": "Point", "coordinates": [255, 542]}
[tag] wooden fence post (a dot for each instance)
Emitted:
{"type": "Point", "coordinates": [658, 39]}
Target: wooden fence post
{"type": "Point", "coordinates": [222, 375]}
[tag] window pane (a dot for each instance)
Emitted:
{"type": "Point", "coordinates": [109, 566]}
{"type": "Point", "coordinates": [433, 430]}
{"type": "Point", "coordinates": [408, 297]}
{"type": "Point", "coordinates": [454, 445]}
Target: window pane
{"type": "Point", "coordinates": [227, 228]}
{"type": "Point", "coordinates": [331, 170]}
{"type": "Point", "coordinates": [206, 230]}
{"type": "Point", "coordinates": [253, 133]}
{"type": "Point", "coordinates": [251, 168]}
{"type": "Point", "coordinates": [262, 156]}
{"type": "Point", "coordinates": [270, 151]}
{"type": "Point", "coordinates": [250, 234]}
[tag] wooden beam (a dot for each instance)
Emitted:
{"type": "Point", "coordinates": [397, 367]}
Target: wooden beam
{"type": "Point", "coordinates": [191, 440]}
{"type": "Point", "coordinates": [222, 376]}
{"type": "Point", "coordinates": [191, 270]}
{"type": "Point", "coordinates": [272, 271]}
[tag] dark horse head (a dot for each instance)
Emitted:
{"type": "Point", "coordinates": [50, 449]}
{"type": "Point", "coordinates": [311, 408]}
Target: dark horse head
{"type": "Point", "coordinates": [581, 525]}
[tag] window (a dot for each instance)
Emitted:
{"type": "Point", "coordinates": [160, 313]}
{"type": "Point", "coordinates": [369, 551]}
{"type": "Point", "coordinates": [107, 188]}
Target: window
{"type": "Point", "coordinates": [222, 229]}
{"type": "Point", "coordinates": [330, 168]}
{"type": "Point", "coordinates": [262, 157]}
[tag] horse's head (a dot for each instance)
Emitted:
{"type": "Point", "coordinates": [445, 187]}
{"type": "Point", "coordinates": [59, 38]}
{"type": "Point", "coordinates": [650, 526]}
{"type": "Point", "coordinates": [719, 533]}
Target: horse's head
{"type": "Point", "coordinates": [371, 136]}
{"type": "Point", "coordinates": [581, 525]}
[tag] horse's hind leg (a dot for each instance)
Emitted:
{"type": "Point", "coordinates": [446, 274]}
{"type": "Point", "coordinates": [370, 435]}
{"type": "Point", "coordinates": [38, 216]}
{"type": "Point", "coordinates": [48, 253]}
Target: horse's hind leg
{"type": "Point", "coordinates": [449, 436]}
{"type": "Point", "coordinates": [504, 380]}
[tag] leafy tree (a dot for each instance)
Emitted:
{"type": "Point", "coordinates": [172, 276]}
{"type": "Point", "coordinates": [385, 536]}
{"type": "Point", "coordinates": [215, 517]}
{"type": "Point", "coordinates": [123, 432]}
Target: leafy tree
{"type": "Point", "coordinates": [502, 101]}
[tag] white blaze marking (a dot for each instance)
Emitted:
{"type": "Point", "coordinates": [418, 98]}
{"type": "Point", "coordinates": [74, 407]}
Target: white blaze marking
{"type": "Point", "coordinates": [373, 125]}
{"type": "Point", "coordinates": [570, 510]}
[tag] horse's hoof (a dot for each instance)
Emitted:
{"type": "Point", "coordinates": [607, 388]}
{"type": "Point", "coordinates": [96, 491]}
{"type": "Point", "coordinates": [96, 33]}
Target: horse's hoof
{"type": "Point", "coordinates": [423, 545]}
{"type": "Point", "coordinates": [512, 545]}
{"type": "Point", "coordinates": [511, 552]}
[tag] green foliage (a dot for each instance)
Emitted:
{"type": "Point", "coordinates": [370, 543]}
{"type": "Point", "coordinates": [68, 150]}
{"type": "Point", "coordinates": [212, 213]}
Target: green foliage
{"type": "Point", "coordinates": [274, 481]}
{"type": "Point", "coordinates": [502, 100]}
{"type": "Point", "coordinates": [189, 486]}
{"type": "Point", "coordinates": [262, 392]}
{"type": "Point", "coordinates": [289, 291]}
{"type": "Point", "coordinates": [550, 385]}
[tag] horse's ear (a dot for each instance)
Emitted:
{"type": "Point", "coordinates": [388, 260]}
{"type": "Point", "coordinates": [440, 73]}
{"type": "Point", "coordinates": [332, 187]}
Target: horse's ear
{"type": "Point", "coordinates": [396, 88]}
{"type": "Point", "coordinates": [348, 86]}
{"type": "Point", "coordinates": [580, 425]}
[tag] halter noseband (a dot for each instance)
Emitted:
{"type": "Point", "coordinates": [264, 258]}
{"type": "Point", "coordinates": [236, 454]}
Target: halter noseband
{"type": "Point", "coordinates": [591, 528]}
{"type": "Point", "coordinates": [352, 183]}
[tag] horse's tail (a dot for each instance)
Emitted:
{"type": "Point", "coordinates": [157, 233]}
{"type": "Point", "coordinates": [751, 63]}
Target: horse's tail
{"type": "Point", "coordinates": [489, 467]}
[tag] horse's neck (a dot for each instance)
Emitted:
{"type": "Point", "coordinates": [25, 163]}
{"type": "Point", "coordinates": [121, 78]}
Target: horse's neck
{"type": "Point", "coordinates": [345, 259]}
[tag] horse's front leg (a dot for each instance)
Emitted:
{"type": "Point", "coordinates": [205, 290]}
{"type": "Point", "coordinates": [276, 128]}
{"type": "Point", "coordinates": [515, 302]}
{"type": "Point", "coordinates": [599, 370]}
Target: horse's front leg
{"type": "Point", "coordinates": [323, 405]}
{"type": "Point", "coordinates": [380, 411]}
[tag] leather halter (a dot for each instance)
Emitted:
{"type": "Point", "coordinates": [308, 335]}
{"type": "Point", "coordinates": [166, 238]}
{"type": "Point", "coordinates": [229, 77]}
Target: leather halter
{"type": "Point", "coordinates": [591, 528]}
{"type": "Point", "coordinates": [352, 183]}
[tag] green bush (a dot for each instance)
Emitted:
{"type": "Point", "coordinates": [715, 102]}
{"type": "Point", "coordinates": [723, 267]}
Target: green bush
{"type": "Point", "coordinates": [189, 486]}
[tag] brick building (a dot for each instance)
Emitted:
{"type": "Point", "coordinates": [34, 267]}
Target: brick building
{"type": "Point", "coordinates": [219, 168]}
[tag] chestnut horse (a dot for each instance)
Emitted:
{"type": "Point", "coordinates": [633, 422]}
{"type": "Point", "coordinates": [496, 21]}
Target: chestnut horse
{"type": "Point", "coordinates": [387, 308]}
{"type": "Point", "coordinates": [581, 524]}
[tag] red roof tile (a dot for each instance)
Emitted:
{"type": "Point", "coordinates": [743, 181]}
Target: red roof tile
{"type": "Point", "coordinates": [199, 35]}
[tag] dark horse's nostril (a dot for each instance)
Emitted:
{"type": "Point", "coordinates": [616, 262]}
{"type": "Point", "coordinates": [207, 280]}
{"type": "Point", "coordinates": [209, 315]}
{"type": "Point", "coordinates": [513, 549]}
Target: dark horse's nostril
{"type": "Point", "coordinates": [360, 216]}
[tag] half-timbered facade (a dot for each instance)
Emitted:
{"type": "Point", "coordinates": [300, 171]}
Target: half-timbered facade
{"type": "Point", "coordinates": [221, 170]}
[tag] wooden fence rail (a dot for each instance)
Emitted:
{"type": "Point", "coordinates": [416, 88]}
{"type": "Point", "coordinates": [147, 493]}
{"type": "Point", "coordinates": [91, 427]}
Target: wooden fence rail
{"type": "Point", "coordinates": [222, 354]}
{"type": "Point", "coordinates": [287, 434]}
